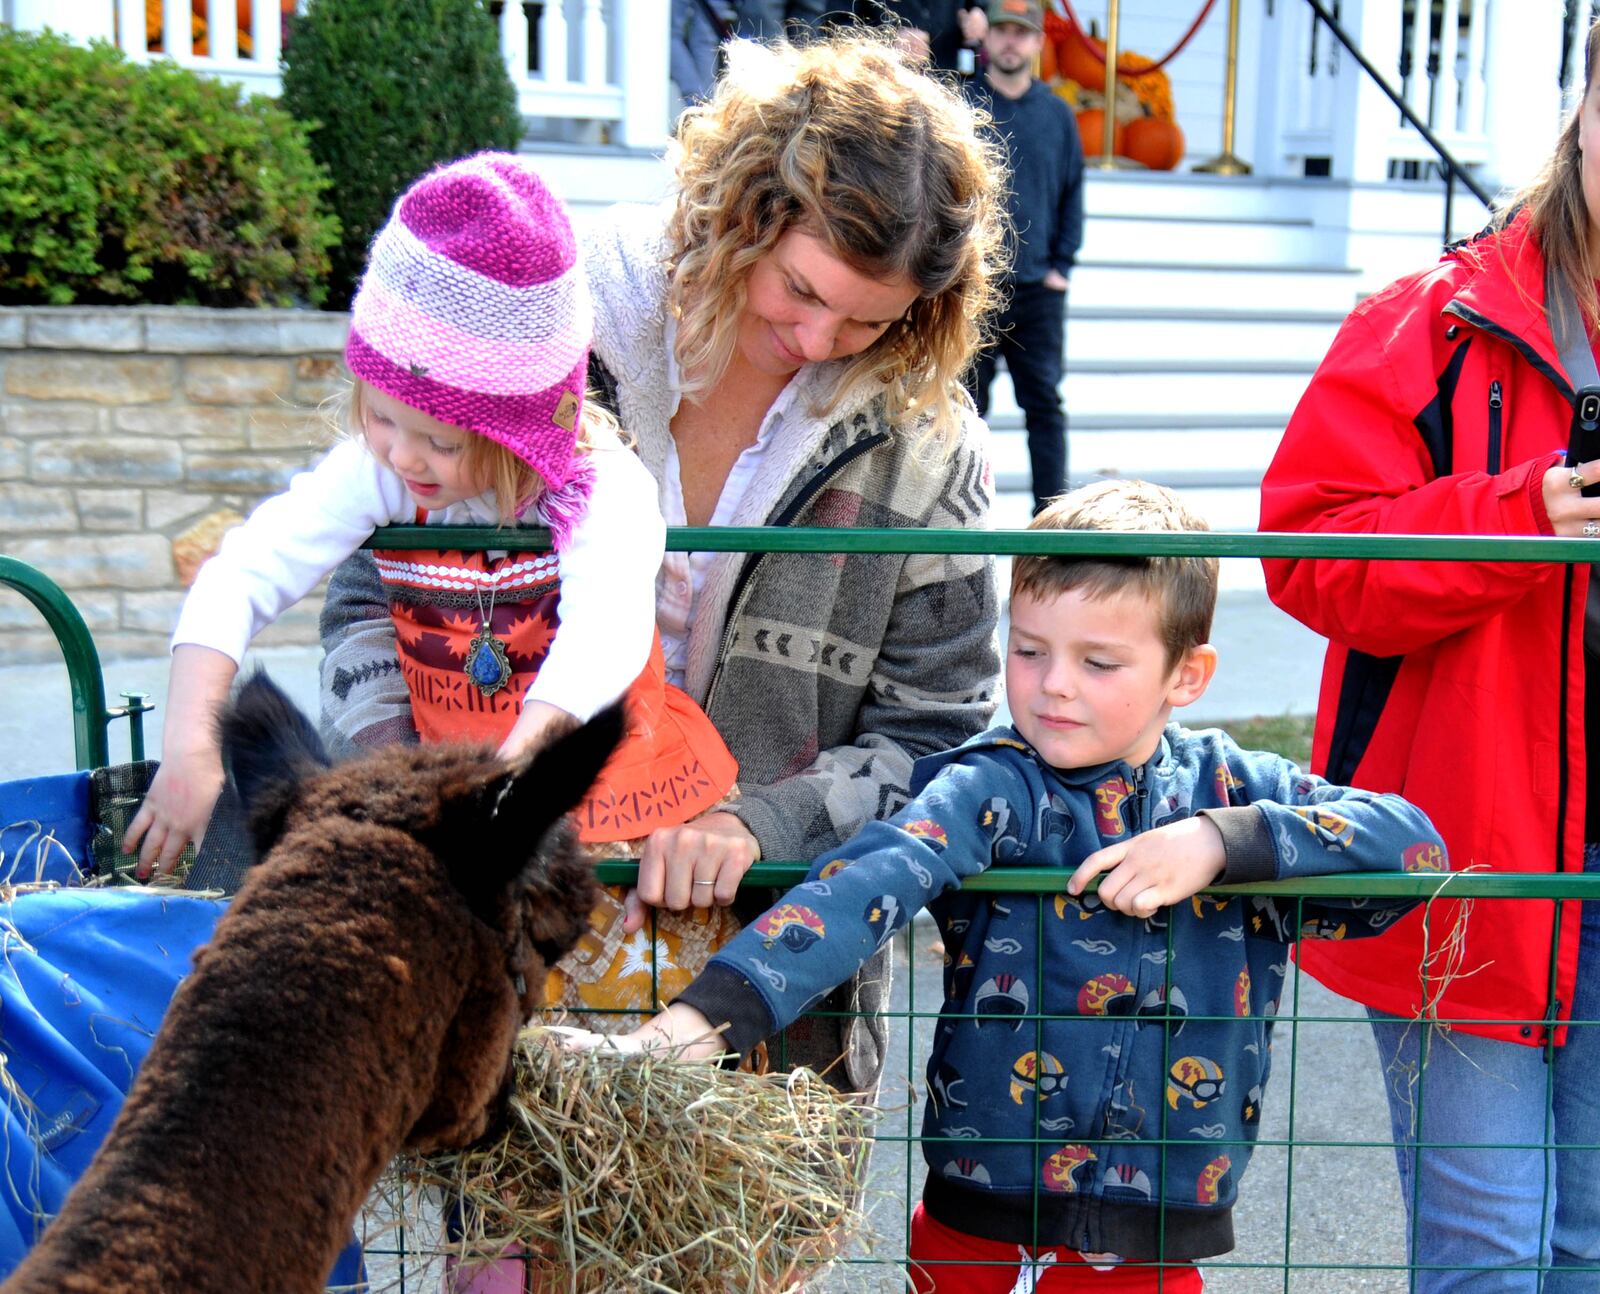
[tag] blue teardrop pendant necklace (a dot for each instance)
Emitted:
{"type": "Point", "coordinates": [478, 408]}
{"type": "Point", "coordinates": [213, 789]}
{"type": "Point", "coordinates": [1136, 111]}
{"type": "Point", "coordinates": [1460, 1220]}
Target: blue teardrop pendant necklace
{"type": "Point", "coordinates": [487, 665]}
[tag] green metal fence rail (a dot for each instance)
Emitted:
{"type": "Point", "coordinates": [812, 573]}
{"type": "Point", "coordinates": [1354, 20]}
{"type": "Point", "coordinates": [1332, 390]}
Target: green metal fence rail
{"type": "Point", "coordinates": [1283, 1245]}
{"type": "Point", "coordinates": [1012, 543]}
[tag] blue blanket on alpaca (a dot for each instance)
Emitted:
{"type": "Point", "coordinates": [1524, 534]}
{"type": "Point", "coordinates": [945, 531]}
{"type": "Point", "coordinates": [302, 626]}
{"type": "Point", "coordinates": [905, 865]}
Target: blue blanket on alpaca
{"type": "Point", "coordinates": [85, 977]}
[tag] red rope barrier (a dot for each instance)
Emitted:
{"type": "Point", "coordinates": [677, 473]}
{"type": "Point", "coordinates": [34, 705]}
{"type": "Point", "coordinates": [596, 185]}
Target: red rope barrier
{"type": "Point", "coordinates": [1077, 30]}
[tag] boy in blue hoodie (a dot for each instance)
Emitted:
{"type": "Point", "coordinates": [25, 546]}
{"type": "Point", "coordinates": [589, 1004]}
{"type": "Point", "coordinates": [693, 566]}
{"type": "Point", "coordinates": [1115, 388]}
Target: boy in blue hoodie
{"type": "Point", "coordinates": [1096, 1075]}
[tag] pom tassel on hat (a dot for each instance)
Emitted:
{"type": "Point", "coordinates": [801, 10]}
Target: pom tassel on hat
{"type": "Point", "coordinates": [562, 509]}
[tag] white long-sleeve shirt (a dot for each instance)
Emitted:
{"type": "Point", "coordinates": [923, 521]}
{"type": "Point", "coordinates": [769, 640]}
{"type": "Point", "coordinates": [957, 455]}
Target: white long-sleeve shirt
{"type": "Point", "coordinates": [292, 540]}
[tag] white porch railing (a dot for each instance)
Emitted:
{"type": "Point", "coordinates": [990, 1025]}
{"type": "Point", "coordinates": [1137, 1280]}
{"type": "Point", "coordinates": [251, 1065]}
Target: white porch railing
{"type": "Point", "coordinates": [1482, 74]}
{"type": "Point", "coordinates": [586, 65]}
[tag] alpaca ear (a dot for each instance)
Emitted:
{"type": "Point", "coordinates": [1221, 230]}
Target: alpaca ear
{"type": "Point", "coordinates": [268, 746]}
{"type": "Point", "coordinates": [514, 811]}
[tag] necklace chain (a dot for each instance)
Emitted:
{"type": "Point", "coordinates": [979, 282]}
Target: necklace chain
{"type": "Point", "coordinates": [487, 666]}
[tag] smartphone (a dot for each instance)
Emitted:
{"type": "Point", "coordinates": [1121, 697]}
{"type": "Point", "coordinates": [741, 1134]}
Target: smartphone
{"type": "Point", "coordinates": [1584, 444]}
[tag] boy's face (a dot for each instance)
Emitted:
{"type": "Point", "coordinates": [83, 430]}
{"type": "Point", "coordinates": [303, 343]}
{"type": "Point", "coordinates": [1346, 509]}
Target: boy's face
{"type": "Point", "coordinates": [1087, 678]}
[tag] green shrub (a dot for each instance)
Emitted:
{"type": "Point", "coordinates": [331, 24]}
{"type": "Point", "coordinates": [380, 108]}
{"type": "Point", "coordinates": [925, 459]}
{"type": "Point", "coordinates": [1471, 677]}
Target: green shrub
{"type": "Point", "coordinates": [391, 90]}
{"type": "Point", "coordinates": [121, 182]}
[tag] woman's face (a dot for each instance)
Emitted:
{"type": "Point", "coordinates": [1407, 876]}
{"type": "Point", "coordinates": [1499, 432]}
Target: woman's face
{"type": "Point", "coordinates": [1589, 150]}
{"type": "Point", "coordinates": [803, 305]}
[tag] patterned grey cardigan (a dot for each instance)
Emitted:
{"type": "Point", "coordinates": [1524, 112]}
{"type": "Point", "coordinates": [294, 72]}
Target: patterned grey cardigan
{"type": "Point", "coordinates": [827, 676]}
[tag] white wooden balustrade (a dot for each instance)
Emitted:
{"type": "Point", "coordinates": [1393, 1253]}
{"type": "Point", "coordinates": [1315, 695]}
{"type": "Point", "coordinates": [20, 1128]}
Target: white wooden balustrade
{"type": "Point", "coordinates": [1484, 75]}
{"type": "Point", "coordinates": [567, 59]}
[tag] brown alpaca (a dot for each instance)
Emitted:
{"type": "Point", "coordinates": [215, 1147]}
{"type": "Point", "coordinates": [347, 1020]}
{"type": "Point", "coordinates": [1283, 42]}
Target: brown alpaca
{"type": "Point", "coordinates": [361, 995]}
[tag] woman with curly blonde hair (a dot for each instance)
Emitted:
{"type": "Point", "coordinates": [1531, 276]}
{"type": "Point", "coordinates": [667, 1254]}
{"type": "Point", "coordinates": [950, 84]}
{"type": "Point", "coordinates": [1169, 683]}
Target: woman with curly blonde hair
{"type": "Point", "coordinates": [784, 340]}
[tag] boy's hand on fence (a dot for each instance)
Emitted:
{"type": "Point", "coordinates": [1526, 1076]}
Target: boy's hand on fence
{"type": "Point", "coordinates": [696, 865]}
{"type": "Point", "coordinates": [175, 809]}
{"type": "Point", "coordinates": [1155, 869]}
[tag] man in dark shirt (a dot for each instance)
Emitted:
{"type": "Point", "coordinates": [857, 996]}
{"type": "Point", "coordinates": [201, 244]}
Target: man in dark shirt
{"type": "Point", "coordinates": [1045, 199]}
{"type": "Point", "coordinates": [935, 30]}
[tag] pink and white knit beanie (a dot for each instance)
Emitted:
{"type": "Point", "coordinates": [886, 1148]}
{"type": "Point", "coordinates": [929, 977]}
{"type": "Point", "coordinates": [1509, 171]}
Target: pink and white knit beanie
{"type": "Point", "coordinates": [475, 310]}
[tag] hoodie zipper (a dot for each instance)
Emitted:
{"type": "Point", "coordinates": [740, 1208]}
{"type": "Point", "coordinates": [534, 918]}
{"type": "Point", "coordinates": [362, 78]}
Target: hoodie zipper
{"type": "Point", "coordinates": [1495, 404]}
{"type": "Point", "coordinates": [1140, 796]}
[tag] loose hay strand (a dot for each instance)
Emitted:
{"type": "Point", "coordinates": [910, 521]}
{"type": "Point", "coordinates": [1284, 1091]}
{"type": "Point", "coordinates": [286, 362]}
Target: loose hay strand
{"type": "Point", "coordinates": [647, 1173]}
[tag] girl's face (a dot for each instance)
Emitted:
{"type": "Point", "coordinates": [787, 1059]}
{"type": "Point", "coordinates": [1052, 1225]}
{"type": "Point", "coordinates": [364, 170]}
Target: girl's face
{"type": "Point", "coordinates": [804, 305]}
{"type": "Point", "coordinates": [428, 455]}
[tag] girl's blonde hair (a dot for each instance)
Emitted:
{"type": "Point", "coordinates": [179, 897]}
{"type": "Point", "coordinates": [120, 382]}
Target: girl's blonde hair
{"type": "Point", "coordinates": [890, 168]}
{"type": "Point", "coordinates": [516, 485]}
{"type": "Point", "coordinates": [1554, 200]}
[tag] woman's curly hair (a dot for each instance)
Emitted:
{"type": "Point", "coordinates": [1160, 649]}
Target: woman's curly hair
{"type": "Point", "coordinates": [890, 168]}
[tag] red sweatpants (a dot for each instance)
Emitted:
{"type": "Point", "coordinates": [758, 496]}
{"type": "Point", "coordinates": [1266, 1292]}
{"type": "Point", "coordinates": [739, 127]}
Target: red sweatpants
{"type": "Point", "coordinates": [945, 1261]}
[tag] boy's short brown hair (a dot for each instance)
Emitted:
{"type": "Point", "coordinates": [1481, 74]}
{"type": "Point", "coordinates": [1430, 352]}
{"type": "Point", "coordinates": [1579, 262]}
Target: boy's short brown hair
{"type": "Point", "coordinates": [1184, 589]}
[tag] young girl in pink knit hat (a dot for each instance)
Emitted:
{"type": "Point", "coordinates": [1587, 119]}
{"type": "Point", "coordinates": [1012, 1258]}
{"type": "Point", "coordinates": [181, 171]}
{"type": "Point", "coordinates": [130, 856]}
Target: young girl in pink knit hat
{"type": "Point", "coordinates": [469, 343]}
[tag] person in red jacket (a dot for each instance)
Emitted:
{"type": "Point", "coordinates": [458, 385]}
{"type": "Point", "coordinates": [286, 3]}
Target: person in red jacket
{"type": "Point", "coordinates": [1447, 405]}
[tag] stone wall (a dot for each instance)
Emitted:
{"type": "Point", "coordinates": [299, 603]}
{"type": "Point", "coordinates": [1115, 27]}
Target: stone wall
{"type": "Point", "coordinates": [130, 437]}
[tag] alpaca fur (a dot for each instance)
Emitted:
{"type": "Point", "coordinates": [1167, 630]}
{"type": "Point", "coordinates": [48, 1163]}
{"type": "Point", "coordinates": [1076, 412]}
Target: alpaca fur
{"type": "Point", "coordinates": [361, 996]}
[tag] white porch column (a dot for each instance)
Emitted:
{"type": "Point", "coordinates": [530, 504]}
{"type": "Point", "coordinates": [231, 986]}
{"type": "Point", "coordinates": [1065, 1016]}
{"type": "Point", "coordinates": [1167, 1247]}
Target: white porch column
{"type": "Point", "coordinates": [1523, 88]}
{"type": "Point", "coordinates": [641, 27]}
{"type": "Point", "coordinates": [1364, 117]}
{"type": "Point", "coordinates": [80, 22]}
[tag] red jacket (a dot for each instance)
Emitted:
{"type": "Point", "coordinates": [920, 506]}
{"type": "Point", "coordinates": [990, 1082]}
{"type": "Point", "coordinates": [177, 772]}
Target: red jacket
{"type": "Point", "coordinates": [1437, 411]}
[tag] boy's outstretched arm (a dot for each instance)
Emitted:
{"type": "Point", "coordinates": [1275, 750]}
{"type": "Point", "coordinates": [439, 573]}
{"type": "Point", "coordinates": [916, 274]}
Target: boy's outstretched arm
{"type": "Point", "coordinates": [185, 789]}
{"type": "Point", "coordinates": [821, 931]}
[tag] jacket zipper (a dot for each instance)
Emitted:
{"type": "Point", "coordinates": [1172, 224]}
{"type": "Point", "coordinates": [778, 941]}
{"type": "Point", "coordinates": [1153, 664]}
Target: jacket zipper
{"type": "Point", "coordinates": [786, 518]}
{"type": "Point", "coordinates": [1553, 1003]}
{"type": "Point", "coordinates": [1495, 403]}
{"type": "Point", "coordinates": [1535, 360]}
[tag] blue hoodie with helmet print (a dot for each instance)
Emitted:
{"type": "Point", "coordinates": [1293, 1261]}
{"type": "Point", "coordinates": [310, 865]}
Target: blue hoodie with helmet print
{"type": "Point", "coordinates": [1095, 1079]}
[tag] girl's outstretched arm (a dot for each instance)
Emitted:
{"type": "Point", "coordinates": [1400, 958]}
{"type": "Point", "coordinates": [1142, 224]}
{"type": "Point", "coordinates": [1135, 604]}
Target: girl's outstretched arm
{"type": "Point", "coordinates": [186, 786]}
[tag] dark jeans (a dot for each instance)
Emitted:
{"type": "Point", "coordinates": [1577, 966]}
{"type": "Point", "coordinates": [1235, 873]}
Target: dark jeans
{"type": "Point", "coordinates": [1032, 342]}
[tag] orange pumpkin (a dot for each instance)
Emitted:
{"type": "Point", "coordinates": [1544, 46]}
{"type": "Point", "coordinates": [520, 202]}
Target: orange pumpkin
{"type": "Point", "coordinates": [1077, 63]}
{"type": "Point", "coordinates": [1092, 131]}
{"type": "Point", "coordinates": [1157, 144]}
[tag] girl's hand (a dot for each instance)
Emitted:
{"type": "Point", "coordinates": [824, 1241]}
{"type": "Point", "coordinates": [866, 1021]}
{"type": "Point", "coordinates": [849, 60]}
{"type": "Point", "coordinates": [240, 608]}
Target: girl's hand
{"type": "Point", "coordinates": [680, 1029]}
{"type": "Point", "coordinates": [186, 786]}
{"type": "Point", "coordinates": [1156, 869]}
{"type": "Point", "coordinates": [539, 723]}
{"type": "Point", "coordinates": [696, 865]}
{"type": "Point", "coordinates": [175, 810]}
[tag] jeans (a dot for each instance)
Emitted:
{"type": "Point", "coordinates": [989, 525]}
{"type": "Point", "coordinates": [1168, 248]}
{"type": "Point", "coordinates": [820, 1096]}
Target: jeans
{"type": "Point", "coordinates": [1489, 1215]}
{"type": "Point", "coordinates": [692, 50]}
{"type": "Point", "coordinates": [1031, 339]}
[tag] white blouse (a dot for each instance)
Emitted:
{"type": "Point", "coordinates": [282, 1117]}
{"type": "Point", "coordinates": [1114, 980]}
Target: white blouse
{"type": "Point", "coordinates": [683, 575]}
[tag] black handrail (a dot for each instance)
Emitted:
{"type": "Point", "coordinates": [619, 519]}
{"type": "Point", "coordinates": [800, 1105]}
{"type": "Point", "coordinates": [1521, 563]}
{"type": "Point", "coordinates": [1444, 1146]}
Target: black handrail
{"type": "Point", "coordinates": [1452, 168]}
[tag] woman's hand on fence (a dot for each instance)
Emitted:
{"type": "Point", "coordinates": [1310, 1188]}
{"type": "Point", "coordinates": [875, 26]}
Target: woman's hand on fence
{"type": "Point", "coordinates": [1564, 503]}
{"type": "Point", "coordinates": [699, 864]}
{"type": "Point", "coordinates": [175, 809]}
{"type": "Point", "coordinates": [1156, 869]}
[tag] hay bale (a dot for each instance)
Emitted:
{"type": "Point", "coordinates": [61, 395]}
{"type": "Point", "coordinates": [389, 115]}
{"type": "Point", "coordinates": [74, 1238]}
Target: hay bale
{"type": "Point", "coordinates": [638, 1172]}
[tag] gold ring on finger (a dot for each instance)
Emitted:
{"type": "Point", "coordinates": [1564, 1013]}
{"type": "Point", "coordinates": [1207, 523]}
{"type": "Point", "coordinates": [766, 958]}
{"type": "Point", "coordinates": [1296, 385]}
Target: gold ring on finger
{"type": "Point", "coordinates": [1576, 480]}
